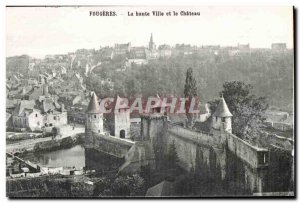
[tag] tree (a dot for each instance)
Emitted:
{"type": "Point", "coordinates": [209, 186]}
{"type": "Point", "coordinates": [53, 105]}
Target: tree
{"type": "Point", "coordinates": [172, 156]}
{"type": "Point", "coordinates": [190, 91]}
{"type": "Point", "coordinates": [146, 174]}
{"type": "Point", "coordinates": [128, 186]}
{"type": "Point", "coordinates": [247, 109]}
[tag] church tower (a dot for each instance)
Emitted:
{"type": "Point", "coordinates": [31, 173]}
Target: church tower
{"type": "Point", "coordinates": [151, 44]}
{"type": "Point", "coordinates": [221, 119]}
{"type": "Point", "coordinates": [94, 117]}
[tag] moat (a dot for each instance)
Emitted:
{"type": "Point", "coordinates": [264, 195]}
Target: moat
{"type": "Point", "coordinates": [235, 182]}
{"type": "Point", "coordinates": [74, 156]}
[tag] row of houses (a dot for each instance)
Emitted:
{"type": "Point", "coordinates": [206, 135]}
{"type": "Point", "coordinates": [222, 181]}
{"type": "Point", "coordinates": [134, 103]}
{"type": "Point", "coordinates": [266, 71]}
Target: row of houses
{"type": "Point", "coordinates": [39, 111]}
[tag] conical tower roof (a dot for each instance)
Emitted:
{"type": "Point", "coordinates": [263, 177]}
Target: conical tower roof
{"type": "Point", "coordinates": [222, 109]}
{"type": "Point", "coordinates": [93, 106]}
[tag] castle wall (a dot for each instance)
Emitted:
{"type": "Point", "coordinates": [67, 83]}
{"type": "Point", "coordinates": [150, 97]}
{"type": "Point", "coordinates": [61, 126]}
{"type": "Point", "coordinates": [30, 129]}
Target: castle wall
{"type": "Point", "coordinates": [254, 156]}
{"type": "Point", "coordinates": [186, 151]}
{"type": "Point", "coordinates": [207, 153]}
{"type": "Point", "coordinates": [241, 178]}
{"type": "Point", "coordinates": [197, 151]}
{"type": "Point", "coordinates": [280, 173]}
{"type": "Point", "coordinates": [140, 154]}
{"type": "Point", "coordinates": [100, 161]}
{"type": "Point", "coordinates": [191, 136]}
{"type": "Point", "coordinates": [256, 179]}
{"type": "Point", "coordinates": [110, 145]}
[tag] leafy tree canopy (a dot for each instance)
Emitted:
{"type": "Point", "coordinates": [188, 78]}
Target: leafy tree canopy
{"type": "Point", "coordinates": [247, 109]}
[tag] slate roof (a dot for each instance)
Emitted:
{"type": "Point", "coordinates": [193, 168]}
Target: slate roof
{"type": "Point", "coordinates": [24, 107]}
{"type": "Point", "coordinates": [48, 105]}
{"type": "Point", "coordinates": [222, 109]}
{"type": "Point", "coordinates": [93, 106]}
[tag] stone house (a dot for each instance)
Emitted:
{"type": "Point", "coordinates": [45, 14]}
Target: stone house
{"type": "Point", "coordinates": [54, 114]}
{"type": "Point", "coordinates": [122, 49]}
{"type": "Point", "coordinates": [107, 53]}
{"type": "Point", "coordinates": [164, 51]}
{"type": "Point", "coordinates": [26, 117]}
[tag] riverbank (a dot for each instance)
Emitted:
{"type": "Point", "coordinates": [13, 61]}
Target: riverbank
{"type": "Point", "coordinates": [56, 144]}
{"type": "Point", "coordinates": [45, 144]}
{"type": "Point", "coordinates": [23, 142]}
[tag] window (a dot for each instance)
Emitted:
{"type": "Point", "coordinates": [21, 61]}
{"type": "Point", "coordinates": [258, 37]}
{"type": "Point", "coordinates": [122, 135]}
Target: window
{"type": "Point", "coordinates": [36, 115]}
{"type": "Point", "coordinates": [54, 117]}
{"type": "Point", "coordinates": [223, 119]}
{"type": "Point", "coordinates": [95, 116]}
{"type": "Point", "coordinates": [50, 124]}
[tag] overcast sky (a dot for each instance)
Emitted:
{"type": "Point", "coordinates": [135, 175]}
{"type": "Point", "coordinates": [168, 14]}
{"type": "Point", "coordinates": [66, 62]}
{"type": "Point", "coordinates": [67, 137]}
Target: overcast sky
{"type": "Point", "coordinates": [39, 31]}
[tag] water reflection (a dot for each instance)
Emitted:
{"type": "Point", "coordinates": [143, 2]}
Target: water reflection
{"type": "Point", "coordinates": [74, 156]}
{"type": "Point", "coordinates": [227, 172]}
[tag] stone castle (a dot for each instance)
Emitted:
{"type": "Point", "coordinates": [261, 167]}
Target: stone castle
{"type": "Point", "coordinates": [196, 150]}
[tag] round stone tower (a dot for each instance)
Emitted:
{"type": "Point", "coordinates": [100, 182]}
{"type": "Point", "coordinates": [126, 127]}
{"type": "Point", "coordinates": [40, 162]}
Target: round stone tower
{"type": "Point", "coordinates": [94, 120]}
{"type": "Point", "coordinates": [221, 119]}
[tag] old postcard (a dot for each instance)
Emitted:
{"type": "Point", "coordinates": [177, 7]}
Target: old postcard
{"type": "Point", "coordinates": [143, 102]}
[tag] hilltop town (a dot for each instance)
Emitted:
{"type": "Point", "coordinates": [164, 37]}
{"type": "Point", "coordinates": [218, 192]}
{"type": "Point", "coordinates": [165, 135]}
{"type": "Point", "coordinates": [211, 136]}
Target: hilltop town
{"type": "Point", "coordinates": [56, 89]}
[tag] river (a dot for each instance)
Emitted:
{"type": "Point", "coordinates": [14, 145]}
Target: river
{"type": "Point", "coordinates": [74, 156]}
{"type": "Point", "coordinates": [278, 173]}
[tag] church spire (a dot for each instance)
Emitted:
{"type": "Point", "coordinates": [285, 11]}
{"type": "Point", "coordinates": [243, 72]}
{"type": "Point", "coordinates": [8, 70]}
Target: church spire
{"type": "Point", "coordinates": [151, 38]}
{"type": "Point", "coordinates": [151, 43]}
